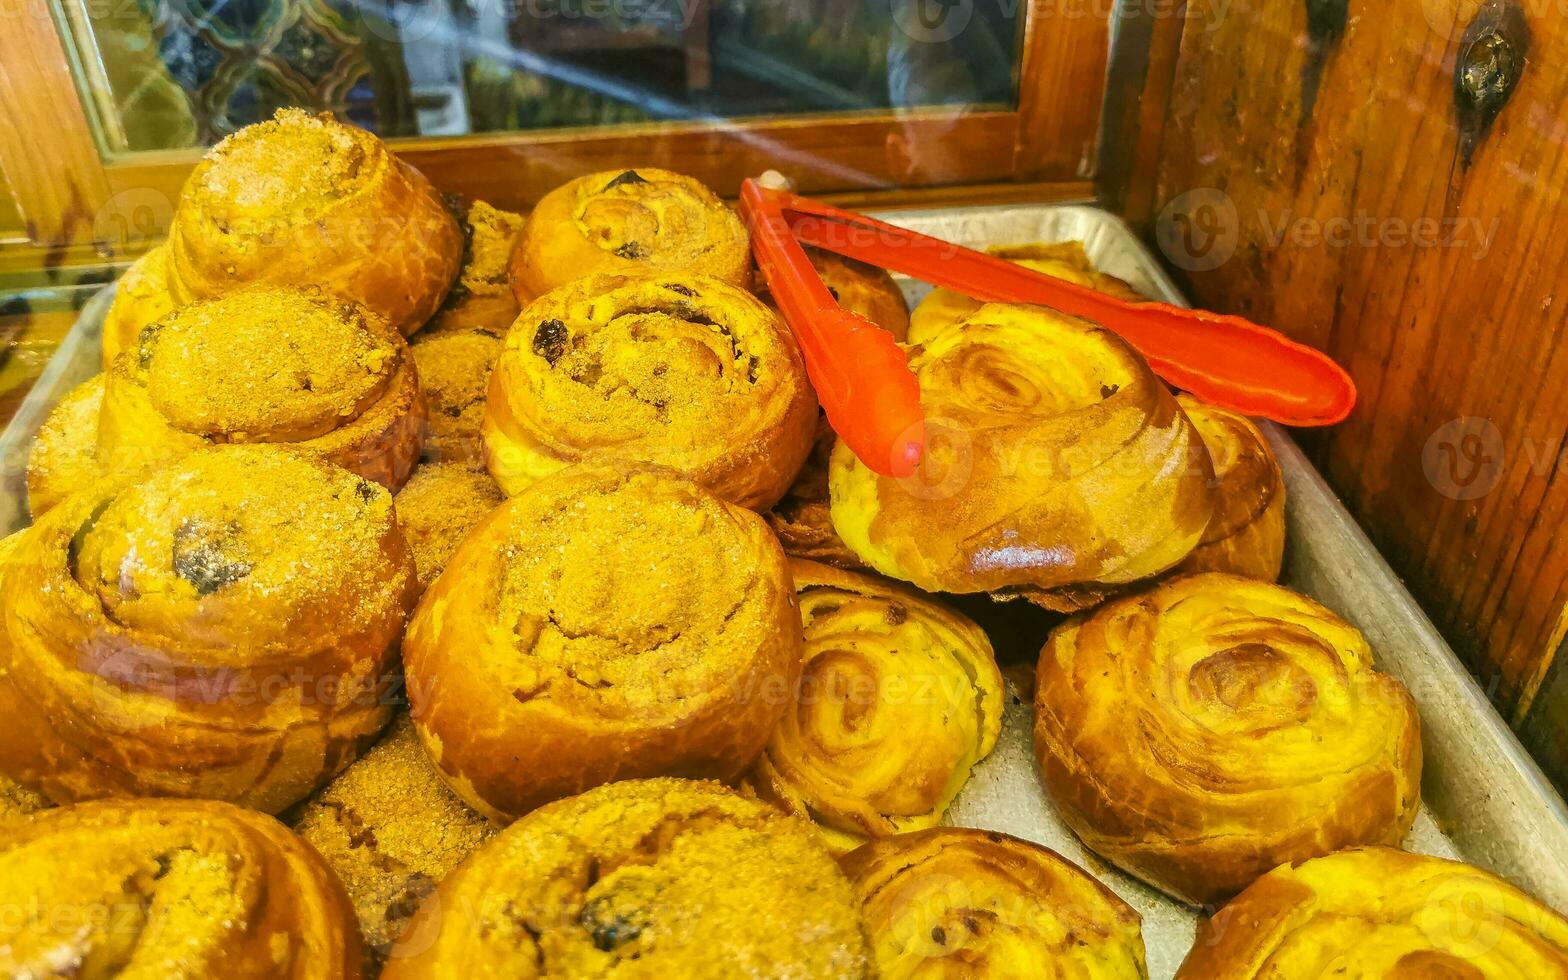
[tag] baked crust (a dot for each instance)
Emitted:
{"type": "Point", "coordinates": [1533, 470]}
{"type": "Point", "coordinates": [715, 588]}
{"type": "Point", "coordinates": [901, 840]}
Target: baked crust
{"type": "Point", "coordinates": [900, 697]}
{"type": "Point", "coordinates": [1378, 912]}
{"type": "Point", "coordinates": [642, 880]}
{"type": "Point", "coordinates": [679, 370]}
{"type": "Point", "coordinates": [803, 518]}
{"type": "Point", "coordinates": [64, 457]}
{"type": "Point", "coordinates": [454, 371]}
{"type": "Point", "coordinates": [482, 297]}
{"type": "Point", "coordinates": [226, 629]}
{"type": "Point", "coordinates": [1214, 727]}
{"type": "Point", "coordinates": [170, 888]}
{"type": "Point", "coordinates": [958, 903]}
{"type": "Point", "coordinates": [610, 622]}
{"type": "Point", "coordinates": [438, 506]}
{"type": "Point", "coordinates": [1247, 535]}
{"type": "Point", "coordinates": [1055, 459]}
{"type": "Point", "coordinates": [283, 366]}
{"type": "Point", "coordinates": [858, 287]}
{"type": "Point", "coordinates": [629, 222]}
{"type": "Point", "coordinates": [140, 297]}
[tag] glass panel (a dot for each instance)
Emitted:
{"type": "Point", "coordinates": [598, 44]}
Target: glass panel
{"type": "Point", "coordinates": [164, 74]}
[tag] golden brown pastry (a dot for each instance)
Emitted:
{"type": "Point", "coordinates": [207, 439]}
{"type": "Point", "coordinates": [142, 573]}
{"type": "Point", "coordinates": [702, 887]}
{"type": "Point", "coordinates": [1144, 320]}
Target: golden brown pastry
{"type": "Point", "coordinates": [609, 622]}
{"type": "Point", "coordinates": [169, 889]}
{"type": "Point", "coordinates": [899, 699]}
{"type": "Point", "coordinates": [1055, 461]}
{"type": "Point", "coordinates": [1215, 727]}
{"type": "Point", "coordinates": [1064, 260]}
{"type": "Point", "coordinates": [858, 287]}
{"type": "Point", "coordinates": [629, 222]}
{"type": "Point", "coordinates": [17, 800]}
{"type": "Point", "coordinates": [971, 904]}
{"type": "Point", "coordinates": [1378, 912]}
{"type": "Point", "coordinates": [454, 371]}
{"type": "Point", "coordinates": [680, 370]}
{"type": "Point", "coordinates": [226, 628]}
{"type": "Point", "coordinates": [642, 880]}
{"type": "Point", "coordinates": [304, 199]}
{"type": "Point", "coordinates": [64, 458]}
{"type": "Point", "coordinates": [140, 297]}
{"type": "Point", "coordinates": [291, 366]}
{"type": "Point", "coordinates": [440, 504]}
{"type": "Point", "coordinates": [1247, 535]}
{"type": "Point", "coordinates": [390, 830]}
{"type": "Point", "coordinates": [803, 518]}
{"type": "Point", "coordinates": [482, 297]}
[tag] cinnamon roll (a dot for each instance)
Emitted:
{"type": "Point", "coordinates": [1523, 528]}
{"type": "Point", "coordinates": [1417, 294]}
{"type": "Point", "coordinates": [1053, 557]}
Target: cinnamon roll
{"type": "Point", "coordinates": [629, 222]}
{"type": "Point", "coordinates": [680, 370]}
{"type": "Point", "coordinates": [226, 628]}
{"type": "Point", "coordinates": [803, 518]}
{"type": "Point", "coordinates": [140, 297]}
{"type": "Point", "coordinates": [1215, 727]}
{"type": "Point", "coordinates": [170, 888]}
{"type": "Point", "coordinates": [1378, 912]}
{"type": "Point", "coordinates": [961, 903]}
{"type": "Point", "coordinates": [609, 622]}
{"type": "Point", "coordinates": [291, 366]}
{"type": "Point", "coordinates": [390, 830]}
{"type": "Point", "coordinates": [1064, 260]}
{"type": "Point", "coordinates": [454, 371]}
{"type": "Point", "coordinates": [899, 699]}
{"type": "Point", "coordinates": [645, 878]}
{"type": "Point", "coordinates": [1247, 535]}
{"type": "Point", "coordinates": [1056, 463]}
{"type": "Point", "coordinates": [440, 504]}
{"type": "Point", "coordinates": [64, 457]}
{"type": "Point", "coordinates": [302, 199]}
{"type": "Point", "coordinates": [858, 287]}
{"type": "Point", "coordinates": [482, 296]}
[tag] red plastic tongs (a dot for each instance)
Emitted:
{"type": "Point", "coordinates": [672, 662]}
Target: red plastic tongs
{"type": "Point", "coordinates": [871, 397]}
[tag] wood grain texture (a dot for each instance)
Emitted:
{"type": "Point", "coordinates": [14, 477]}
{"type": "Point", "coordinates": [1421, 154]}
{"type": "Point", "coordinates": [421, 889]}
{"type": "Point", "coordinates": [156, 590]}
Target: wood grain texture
{"type": "Point", "coordinates": [1061, 88]}
{"type": "Point", "coordinates": [1333, 159]}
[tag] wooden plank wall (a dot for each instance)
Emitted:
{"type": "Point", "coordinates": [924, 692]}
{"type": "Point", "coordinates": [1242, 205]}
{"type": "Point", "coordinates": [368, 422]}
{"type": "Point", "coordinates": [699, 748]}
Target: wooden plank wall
{"type": "Point", "coordinates": [1319, 169]}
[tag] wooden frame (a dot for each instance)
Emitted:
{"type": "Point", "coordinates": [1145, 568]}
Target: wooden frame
{"type": "Point", "coordinates": [78, 205]}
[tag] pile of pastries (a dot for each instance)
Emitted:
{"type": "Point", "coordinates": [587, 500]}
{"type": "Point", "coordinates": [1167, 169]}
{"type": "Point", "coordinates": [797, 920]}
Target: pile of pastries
{"type": "Point", "coordinates": [426, 591]}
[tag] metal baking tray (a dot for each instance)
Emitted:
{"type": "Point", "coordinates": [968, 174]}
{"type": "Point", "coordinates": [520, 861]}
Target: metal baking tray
{"type": "Point", "coordinates": [1484, 800]}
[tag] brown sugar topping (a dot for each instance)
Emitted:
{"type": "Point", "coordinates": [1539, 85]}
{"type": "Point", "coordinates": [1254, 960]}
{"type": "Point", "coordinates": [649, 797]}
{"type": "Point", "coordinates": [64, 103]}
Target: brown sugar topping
{"type": "Point", "coordinates": [292, 166]}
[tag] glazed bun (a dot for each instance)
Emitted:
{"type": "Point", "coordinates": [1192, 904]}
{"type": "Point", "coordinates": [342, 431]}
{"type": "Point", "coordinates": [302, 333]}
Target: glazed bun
{"type": "Point", "coordinates": [287, 366]}
{"type": "Point", "coordinates": [680, 370]}
{"type": "Point", "coordinates": [64, 457]}
{"type": "Point", "coordinates": [1212, 728]}
{"type": "Point", "coordinates": [857, 287]}
{"type": "Point", "coordinates": [957, 903]}
{"type": "Point", "coordinates": [1378, 912]}
{"type": "Point", "coordinates": [225, 629]}
{"type": "Point", "coordinates": [305, 200]}
{"type": "Point", "coordinates": [629, 222]}
{"type": "Point", "coordinates": [1247, 535]}
{"type": "Point", "coordinates": [900, 697]}
{"type": "Point", "coordinates": [170, 888]}
{"type": "Point", "coordinates": [1055, 461]}
{"type": "Point", "coordinates": [647, 878]}
{"type": "Point", "coordinates": [609, 622]}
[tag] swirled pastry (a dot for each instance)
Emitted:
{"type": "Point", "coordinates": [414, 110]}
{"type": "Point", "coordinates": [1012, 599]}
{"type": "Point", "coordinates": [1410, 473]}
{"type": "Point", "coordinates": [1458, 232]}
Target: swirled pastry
{"type": "Point", "coordinates": [858, 287]}
{"type": "Point", "coordinates": [899, 699]}
{"type": "Point", "coordinates": [1247, 535]}
{"type": "Point", "coordinates": [643, 880]}
{"type": "Point", "coordinates": [482, 296]}
{"type": "Point", "coordinates": [304, 199]}
{"type": "Point", "coordinates": [1215, 727]}
{"type": "Point", "coordinates": [64, 458]}
{"type": "Point", "coordinates": [390, 830]}
{"type": "Point", "coordinates": [292, 366]}
{"type": "Point", "coordinates": [1055, 460]}
{"type": "Point", "coordinates": [454, 371]}
{"type": "Point", "coordinates": [607, 623]}
{"type": "Point", "coordinates": [1378, 912]}
{"type": "Point", "coordinates": [803, 518]}
{"type": "Point", "coordinates": [169, 888]}
{"type": "Point", "coordinates": [140, 297]}
{"type": "Point", "coordinates": [629, 222]}
{"type": "Point", "coordinates": [680, 370]}
{"type": "Point", "coordinates": [440, 504]}
{"type": "Point", "coordinates": [959, 903]}
{"type": "Point", "coordinates": [226, 628]}
{"type": "Point", "coordinates": [1064, 260]}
